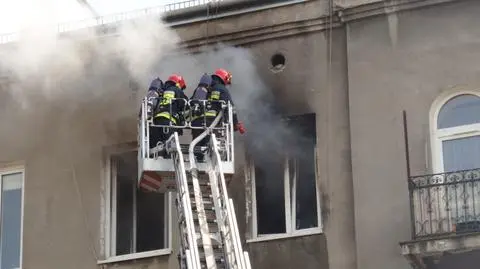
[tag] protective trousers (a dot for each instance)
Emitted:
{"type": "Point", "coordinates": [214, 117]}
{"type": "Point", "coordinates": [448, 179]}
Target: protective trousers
{"type": "Point", "coordinates": [160, 134]}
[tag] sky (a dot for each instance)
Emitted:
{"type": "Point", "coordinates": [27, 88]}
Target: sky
{"type": "Point", "coordinates": [18, 14]}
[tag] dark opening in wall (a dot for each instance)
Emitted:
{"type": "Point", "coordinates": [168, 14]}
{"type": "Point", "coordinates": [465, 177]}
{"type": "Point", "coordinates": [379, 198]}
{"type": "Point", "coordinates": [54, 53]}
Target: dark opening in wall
{"type": "Point", "coordinates": [284, 180]}
{"type": "Point", "coordinates": [278, 62]}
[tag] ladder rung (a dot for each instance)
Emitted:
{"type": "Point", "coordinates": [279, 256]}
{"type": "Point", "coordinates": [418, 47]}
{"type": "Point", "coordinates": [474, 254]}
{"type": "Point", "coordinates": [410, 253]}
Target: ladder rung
{"type": "Point", "coordinates": [219, 266]}
{"type": "Point", "coordinates": [218, 255]}
{"type": "Point", "coordinates": [201, 182]}
{"type": "Point", "coordinates": [215, 245]}
{"type": "Point", "coordinates": [204, 196]}
{"type": "Point", "coordinates": [210, 218]}
{"type": "Point", "coordinates": [212, 227]}
{"type": "Point", "coordinates": [209, 207]}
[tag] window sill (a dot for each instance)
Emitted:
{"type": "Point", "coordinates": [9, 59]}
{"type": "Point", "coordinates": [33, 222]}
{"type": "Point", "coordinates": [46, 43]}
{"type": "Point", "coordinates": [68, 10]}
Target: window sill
{"type": "Point", "coordinates": [300, 233]}
{"type": "Point", "coordinates": [134, 256]}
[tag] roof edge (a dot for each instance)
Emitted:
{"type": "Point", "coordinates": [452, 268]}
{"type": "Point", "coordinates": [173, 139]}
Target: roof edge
{"type": "Point", "coordinates": [353, 13]}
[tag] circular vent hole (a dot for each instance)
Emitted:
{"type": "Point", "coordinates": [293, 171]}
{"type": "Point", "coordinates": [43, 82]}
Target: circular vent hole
{"type": "Point", "coordinates": [278, 62]}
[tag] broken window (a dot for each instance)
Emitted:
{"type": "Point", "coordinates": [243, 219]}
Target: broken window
{"type": "Point", "coordinates": [11, 198]}
{"type": "Point", "coordinates": [306, 215]}
{"type": "Point", "coordinates": [270, 198]}
{"type": "Point", "coordinates": [139, 219]}
{"type": "Point", "coordinates": [285, 198]}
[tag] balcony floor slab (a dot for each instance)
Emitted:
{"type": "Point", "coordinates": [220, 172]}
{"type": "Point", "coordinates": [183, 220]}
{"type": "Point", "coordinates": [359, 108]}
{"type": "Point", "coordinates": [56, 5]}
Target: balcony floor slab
{"type": "Point", "coordinates": [421, 252]}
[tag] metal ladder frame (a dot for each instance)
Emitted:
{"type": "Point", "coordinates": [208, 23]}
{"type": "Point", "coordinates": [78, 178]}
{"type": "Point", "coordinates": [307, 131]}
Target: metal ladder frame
{"type": "Point", "coordinates": [235, 257]}
{"type": "Point", "coordinates": [191, 252]}
{"type": "Point", "coordinates": [202, 219]}
{"type": "Point", "coordinates": [225, 212]}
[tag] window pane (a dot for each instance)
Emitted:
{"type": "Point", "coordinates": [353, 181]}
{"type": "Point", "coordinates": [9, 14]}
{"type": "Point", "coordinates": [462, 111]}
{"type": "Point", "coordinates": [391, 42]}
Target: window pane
{"type": "Point", "coordinates": [140, 224]}
{"type": "Point", "coordinates": [270, 195]}
{"type": "Point", "coordinates": [461, 154]}
{"type": "Point", "coordinates": [150, 221]}
{"type": "Point", "coordinates": [11, 220]}
{"type": "Point", "coordinates": [460, 110]}
{"type": "Point", "coordinates": [306, 189]}
{"type": "Point", "coordinates": [126, 179]}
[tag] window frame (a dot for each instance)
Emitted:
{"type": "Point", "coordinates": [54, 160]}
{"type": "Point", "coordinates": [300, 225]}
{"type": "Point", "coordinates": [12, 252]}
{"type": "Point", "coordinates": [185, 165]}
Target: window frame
{"type": "Point", "coordinates": [289, 206]}
{"type": "Point", "coordinates": [438, 136]}
{"type": "Point", "coordinates": [7, 170]}
{"type": "Point", "coordinates": [108, 226]}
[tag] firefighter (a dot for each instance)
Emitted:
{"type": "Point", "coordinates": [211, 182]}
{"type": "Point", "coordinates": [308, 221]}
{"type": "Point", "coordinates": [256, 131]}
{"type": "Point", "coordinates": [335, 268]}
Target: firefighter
{"type": "Point", "coordinates": [197, 106]}
{"type": "Point", "coordinates": [219, 92]}
{"type": "Point", "coordinates": [154, 94]}
{"type": "Point", "coordinates": [170, 109]}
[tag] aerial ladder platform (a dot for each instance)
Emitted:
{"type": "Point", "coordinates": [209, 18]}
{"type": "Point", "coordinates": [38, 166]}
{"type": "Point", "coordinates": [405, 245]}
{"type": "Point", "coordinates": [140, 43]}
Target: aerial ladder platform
{"type": "Point", "coordinates": [206, 217]}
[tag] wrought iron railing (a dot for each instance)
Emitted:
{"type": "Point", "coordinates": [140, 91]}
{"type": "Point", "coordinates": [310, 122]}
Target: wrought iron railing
{"type": "Point", "coordinates": [446, 203]}
{"type": "Point", "coordinates": [115, 18]}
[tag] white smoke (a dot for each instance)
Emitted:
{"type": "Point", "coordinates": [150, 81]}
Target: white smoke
{"type": "Point", "coordinates": [76, 91]}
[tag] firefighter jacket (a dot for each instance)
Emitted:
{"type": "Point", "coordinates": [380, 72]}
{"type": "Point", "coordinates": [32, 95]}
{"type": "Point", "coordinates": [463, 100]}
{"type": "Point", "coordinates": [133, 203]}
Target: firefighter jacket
{"type": "Point", "coordinates": [219, 93]}
{"type": "Point", "coordinates": [172, 105]}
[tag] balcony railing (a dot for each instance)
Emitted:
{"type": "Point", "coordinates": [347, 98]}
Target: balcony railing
{"type": "Point", "coordinates": [115, 18]}
{"type": "Point", "coordinates": [447, 203]}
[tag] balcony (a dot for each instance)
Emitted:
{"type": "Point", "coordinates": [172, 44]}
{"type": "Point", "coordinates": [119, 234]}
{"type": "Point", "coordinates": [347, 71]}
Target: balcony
{"type": "Point", "coordinates": [445, 216]}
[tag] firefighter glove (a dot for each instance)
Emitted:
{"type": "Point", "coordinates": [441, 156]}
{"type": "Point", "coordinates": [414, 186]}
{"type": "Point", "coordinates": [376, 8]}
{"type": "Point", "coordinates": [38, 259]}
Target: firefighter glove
{"type": "Point", "coordinates": [239, 127]}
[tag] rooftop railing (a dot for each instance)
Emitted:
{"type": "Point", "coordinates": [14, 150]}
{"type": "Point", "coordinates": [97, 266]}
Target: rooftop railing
{"type": "Point", "coordinates": [115, 18]}
{"type": "Point", "coordinates": [445, 204]}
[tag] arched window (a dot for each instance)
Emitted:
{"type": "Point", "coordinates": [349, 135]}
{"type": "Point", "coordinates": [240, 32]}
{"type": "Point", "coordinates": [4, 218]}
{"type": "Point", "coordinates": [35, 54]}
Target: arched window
{"type": "Point", "coordinates": [456, 133]}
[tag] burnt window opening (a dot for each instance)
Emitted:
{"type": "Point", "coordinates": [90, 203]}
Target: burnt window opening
{"type": "Point", "coordinates": [277, 62]}
{"type": "Point", "coordinates": [269, 185]}
{"type": "Point", "coordinates": [285, 198]}
{"type": "Point", "coordinates": [139, 219]}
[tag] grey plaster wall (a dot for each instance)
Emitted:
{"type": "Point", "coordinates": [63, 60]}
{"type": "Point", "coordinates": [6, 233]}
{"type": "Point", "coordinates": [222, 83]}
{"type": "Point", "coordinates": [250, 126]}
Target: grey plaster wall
{"type": "Point", "coordinates": [303, 87]}
{"type": "Point", "coordinates": [396, 62]}
{"type": "Point", "coordinates": [62, 223]}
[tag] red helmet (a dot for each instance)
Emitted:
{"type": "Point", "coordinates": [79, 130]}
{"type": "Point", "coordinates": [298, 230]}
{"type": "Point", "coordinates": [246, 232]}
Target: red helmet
{"type": "Point", "coordinates": [224, 75]}
{"type": "Point", "coordinates": [178, 80]}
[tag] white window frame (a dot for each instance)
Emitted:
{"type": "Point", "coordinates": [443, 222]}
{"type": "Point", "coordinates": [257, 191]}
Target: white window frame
{"type": "Point", "coordinates": [8, 171]}
{"type": "Point", "coordinates": [438, 136]}
{"type": "Point", "coordinates": [108, 225]}
{"type": "Point", "coordinates": [290, 206]}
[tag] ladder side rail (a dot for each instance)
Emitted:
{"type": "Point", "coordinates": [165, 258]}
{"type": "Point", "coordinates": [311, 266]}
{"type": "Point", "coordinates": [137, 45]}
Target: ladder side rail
{"type": "Point", "coordinates": [219, 213]}
{"type": "Point", "coordinates": [227, 204]}
{"type": "Point", "coordinates": [230, 140]}
{"type": "Point", "coordinates": [232, 219]}
{"type": "Point", "coordinates": [189, 228]}
{"type": "Point", "coordinates": [247, 260]}
{"type": "Point", "coordinates": [142, 138]}
{"type": "Point", "coordinates": [185, 255]}
{"type": "Point", "coordinates": [202, 219]}
{"type": "Point", "coordinates": [145, 132]}
{"type": "Point", "coordinates": [182, 187]}
{"type": "Point", "coordinates": [189, 258]}
{"type": "Point", "coordinates": [220, 207]}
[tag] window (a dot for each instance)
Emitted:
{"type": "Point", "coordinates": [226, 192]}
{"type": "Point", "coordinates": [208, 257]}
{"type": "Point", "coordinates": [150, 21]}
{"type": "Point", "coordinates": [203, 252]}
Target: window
{"type": "Point", "coordinates": [138, 222]}
{"type": "Point", "coordinates": [455, 130]}
{"type": "Point", "coordinates": [11, 198]}
{"type": "Point", "coordinates": [456, 134]}
{"type": "Point", "coordinates": [285, 198]}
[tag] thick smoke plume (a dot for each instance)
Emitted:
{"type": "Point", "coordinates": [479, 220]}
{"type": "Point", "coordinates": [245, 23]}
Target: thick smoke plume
{"type": "Point", "coordinates": [78, 93]}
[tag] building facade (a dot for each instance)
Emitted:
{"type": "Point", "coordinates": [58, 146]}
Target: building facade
{"type": "Point", "coordinates": [383, 171]}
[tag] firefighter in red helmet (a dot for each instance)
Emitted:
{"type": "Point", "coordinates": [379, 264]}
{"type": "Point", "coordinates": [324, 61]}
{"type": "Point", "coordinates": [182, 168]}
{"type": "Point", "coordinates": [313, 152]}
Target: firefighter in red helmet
{"type": "Point", "coordinates": [220, 79]}
{"type": "Point", "coordinates": [170, 108]}
{"type": "Point", "coordinates": [218, 92]}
